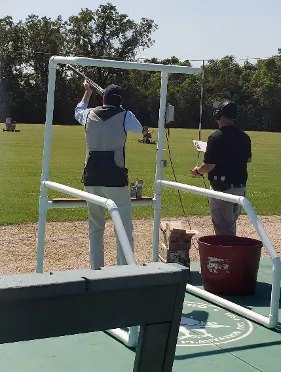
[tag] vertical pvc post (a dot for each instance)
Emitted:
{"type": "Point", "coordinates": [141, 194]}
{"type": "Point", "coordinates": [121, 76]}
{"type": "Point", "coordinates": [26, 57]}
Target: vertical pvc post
{"type": "Point", "coordinates": [158, 176]}
{"type": "Point", "coordinates": [276, 277]}
{"type": "Point", "coordinates": [43, 198]}
{"type": "Point", "coordinates": [121, 233]}
{"type": "Point", "coordinates": [275, 293]}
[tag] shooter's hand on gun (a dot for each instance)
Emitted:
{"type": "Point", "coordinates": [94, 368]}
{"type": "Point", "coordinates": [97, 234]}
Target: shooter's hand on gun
{"type": "Point", "coordinates": [93, 85]}
{"type": "Point", "coordinates": [87, 86]}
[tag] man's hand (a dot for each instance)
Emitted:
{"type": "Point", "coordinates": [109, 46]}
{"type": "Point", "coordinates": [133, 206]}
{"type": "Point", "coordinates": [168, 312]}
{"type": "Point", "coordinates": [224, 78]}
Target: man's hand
{"type": "Point", "coordinates": [87, 86]}
{"type": "Point", "coordinates": [87, 94]}
{"type": "Point", "coordinates": [195, 173]}
{"type": "Point", "coordinates": [202, 169]}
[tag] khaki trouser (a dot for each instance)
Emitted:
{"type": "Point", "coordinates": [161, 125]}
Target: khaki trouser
{"type": "Point", "coordinates": [96, 215]}
{"type": "Point", "coordinates": [225, 214]}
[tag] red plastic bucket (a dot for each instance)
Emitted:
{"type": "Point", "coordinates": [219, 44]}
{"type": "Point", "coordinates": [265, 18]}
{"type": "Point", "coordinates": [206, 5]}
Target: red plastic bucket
{"type": "Point", "coordinates": [229, 264]}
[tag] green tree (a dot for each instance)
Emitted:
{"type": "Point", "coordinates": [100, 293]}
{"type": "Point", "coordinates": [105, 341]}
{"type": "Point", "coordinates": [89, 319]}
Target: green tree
{"type": "Point", "coordinates": [43, 37]}
{"type": "Point", "coordinates": [11, 54]}
{"type": "Point", "coordinates": [222, 80]}
{"type": "Point", "coordinates": [245, 99]}
{"type": "Point", "coordinates": [266, 87]}
{"type": "Point", "coordinates": [106, 33]}
{"type": "Point", "coordinates": [25, 49]}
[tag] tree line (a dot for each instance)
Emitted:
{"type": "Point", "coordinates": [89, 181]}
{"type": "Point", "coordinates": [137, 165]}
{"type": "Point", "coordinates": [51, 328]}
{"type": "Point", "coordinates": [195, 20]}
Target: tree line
{"type": "Point", "coordinates": [26, 46]}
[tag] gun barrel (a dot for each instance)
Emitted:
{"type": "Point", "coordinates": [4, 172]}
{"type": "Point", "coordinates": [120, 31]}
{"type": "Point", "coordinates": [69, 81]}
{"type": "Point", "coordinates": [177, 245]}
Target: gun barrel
{"type": "Point", "coordinates": [97, 87]}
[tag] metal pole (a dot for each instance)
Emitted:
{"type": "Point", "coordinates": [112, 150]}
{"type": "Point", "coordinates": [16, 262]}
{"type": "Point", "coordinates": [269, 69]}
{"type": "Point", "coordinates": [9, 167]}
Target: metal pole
{"type": "Point", "coordinates": [201, 101]}
{"type": "Point", "coordinates": [43, 198]}
{"type": "Point", "coordinates": [158, 176]}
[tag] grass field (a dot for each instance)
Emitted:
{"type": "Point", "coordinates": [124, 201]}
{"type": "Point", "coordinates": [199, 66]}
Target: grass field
{"type": "Point", "coordinates": [20, 170]}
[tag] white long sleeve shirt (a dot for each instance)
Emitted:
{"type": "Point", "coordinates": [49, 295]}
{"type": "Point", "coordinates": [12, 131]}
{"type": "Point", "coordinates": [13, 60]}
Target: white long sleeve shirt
{"type": "Point", "coordinates": [131, 123]}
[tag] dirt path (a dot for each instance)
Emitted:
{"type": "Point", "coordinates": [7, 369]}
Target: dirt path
{"type": "Point", "coordinates": [67, 242]}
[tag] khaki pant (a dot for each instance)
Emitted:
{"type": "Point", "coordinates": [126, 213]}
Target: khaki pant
{"type": "Point", "coordinates": [96, 215]}
{"type": "Point", "coordinates": [225, 214]}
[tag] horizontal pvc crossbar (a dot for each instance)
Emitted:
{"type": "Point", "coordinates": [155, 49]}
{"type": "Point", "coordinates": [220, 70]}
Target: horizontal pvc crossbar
{"type": "Point", "coordinates": [106, 63]}
{"type": "Point", "coordinates": [272, 320]}
{"type": "Point", "coordinates": [128, 337]}
{"type": "Point", "coordinates": [106, 203]}
{"type": "Point", "coordinates": [244, 202]}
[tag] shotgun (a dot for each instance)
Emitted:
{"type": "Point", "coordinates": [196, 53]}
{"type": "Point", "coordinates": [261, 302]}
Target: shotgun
{"type": "Point", "coordinates": [97, 87]}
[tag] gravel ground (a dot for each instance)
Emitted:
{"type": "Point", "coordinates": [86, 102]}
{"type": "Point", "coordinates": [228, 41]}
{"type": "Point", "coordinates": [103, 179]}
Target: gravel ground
{"type": "Point", "coordinates": [67, 242]}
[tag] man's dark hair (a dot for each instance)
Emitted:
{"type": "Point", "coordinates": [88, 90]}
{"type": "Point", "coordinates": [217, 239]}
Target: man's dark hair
{"type": "Point", "coordinates": [113, 95]}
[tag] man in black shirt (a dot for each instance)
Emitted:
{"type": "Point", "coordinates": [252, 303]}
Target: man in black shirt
{"type": "Point", "coordinates": [227, 154]}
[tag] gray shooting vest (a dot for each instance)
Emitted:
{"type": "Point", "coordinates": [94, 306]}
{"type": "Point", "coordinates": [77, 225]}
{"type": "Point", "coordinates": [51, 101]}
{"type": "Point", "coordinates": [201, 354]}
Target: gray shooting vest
{"type": "Point", "coordinates": [105, 148]}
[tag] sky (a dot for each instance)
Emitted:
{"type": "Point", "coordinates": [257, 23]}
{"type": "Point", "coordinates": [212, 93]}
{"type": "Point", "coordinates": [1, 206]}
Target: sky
{"type": "Point", "coordinates": [187, 29]}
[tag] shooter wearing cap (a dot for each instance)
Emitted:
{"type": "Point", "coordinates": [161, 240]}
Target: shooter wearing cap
{"type": "Point", "coordinates": [104, 172]}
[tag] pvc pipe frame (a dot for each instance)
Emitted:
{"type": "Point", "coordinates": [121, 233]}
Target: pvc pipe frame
{"type": "Point", "coordinates": [129, 338]}
{"type": "Point", "coordinates": [44, 203]}
{"type": "Point", "coordinates": [82, 61]}
{"type": "Point", "coordinates": [106, 203]}
{"type": "Point", "coordinates": [272, 320]}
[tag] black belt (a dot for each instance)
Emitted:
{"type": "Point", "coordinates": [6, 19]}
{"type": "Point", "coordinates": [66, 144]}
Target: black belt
{"type": "Point", "coordinates": [237, 185]}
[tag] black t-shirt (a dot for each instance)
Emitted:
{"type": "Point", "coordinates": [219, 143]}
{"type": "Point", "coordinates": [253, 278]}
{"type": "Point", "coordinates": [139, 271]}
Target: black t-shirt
{"type": "Point", "coordinates": [229, 148]}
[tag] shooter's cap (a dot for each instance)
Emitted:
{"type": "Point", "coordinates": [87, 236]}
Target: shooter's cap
{"type": "Point", "coordinates": [113, 90]}
{"type": "Point", "coordinates": [113, 95]}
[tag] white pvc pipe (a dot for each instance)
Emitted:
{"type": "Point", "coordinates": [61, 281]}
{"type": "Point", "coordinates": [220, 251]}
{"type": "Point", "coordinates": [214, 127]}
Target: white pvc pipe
{"type": "Point", "coordinates": [82, 61]}
{"type": "Point", "coordinates": [202, 191]}
{"type": "Point", "coordinates": [270, 321]}
{"type": "Point", "coordinates": [41, 229]}
{"type": "Point", "coordinates": [275, 293]}
{"type": "Point", "coordinates": [238, 309]}
{"type": "Point", "coordinates": [159, 158]}
{"type": "Point", "coordinates": [48, 122]}
{"type": "Point", "coordinates": [244, 202]}
{"type": "Point", "coordinates": [43, 198]}
{"type": "Point", "coordinates": [129, 338]}
{"type": "Point", "coordinates": [106, 203]}
{"type": "Point", "coordinates": [121, 233]}
{"type": "Point", "coordinates": [258, 226]}
{"type": "Point", "coordinates": [91, 198]}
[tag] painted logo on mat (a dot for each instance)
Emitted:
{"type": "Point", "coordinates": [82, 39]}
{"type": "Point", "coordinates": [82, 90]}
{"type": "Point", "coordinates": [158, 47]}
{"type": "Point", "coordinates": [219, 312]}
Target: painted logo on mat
{"type": "Point", "coordinates": [206, 324]}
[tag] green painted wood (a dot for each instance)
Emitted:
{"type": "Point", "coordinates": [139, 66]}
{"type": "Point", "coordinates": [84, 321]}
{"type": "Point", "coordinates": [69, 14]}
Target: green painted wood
{"type": "Point", "coordinates": [150, 296]}
{"type": "Point", "coordinates": [66, 303]}
{"type": "Point", "coordinates": [151, 349]}
{"type": "Point", "coordinates": [258, 350]}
